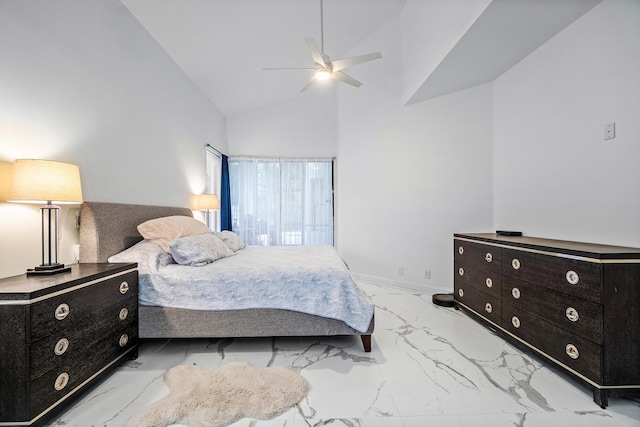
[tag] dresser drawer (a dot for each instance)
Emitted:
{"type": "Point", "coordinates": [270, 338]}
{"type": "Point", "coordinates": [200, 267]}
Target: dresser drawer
{"type": "Point", "coordinates": [483, 280]}
{"type": "Point", "coordinates": [477, 256]}
{"type": "Point", "coordinates": [485, 305]}
{"type": "Point", "coordinates": [575, 315]}
{"type": "Point", "coordinates": [56, 314]}
{"type": "Point", "coordinates": [97, 353]}
{"type": "Point", "coordinates": [580, 354]}
{"type": "Point", "coordinates": [72, 343]}
{"type": "Point", "coordinates": [570, 276]}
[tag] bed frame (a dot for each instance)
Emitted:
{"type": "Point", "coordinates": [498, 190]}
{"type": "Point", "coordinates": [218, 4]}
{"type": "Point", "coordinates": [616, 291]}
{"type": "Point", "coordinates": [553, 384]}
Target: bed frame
{"type": "Point", "coordinates": [109, 228]}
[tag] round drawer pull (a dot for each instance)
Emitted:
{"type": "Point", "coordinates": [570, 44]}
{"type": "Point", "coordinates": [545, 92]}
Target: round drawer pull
{"type": "Point", "coordinates": [515, 263]}
{"type": "Point", "coordinates": [461, 271]}
{"type": "Point", "coordinates": [123, 314]}
{"type": "Point", "coordinates": [515, 292]}
{"type": "Point", "coordinates": [62, 311]}
{"type": "Point", "coordinates": [61, 346]}
{"type": "Point", "coordinates": [124, 287]}
{"type": "Point", "coordinates": [572, 277]}
{"type": "Point", "coordinates": [460, 292]}
{"type": "Point", "coordinates": [460, 250]}
{"type": "Point", "coordinates": [61, 381]}
{"type": "Point", "coordinates": [124, 339]}
{"type": "Point", "coordinates": [572, 351]}
{"type": "Point", "coordinates": [488, 308]}
{"type": "Point", "coordinates": [488, 257]}
{"type": "Point", "coordinates": [515, 321]}
{"type": "Point", "coordinates": [572, 314]}
{"type": "Point", "coordinates": [488, 282]}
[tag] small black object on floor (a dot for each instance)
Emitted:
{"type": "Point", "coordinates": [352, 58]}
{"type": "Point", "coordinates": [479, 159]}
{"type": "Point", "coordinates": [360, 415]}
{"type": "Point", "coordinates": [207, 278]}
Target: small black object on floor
{"type": "Point", "coordinates": [445, 300]}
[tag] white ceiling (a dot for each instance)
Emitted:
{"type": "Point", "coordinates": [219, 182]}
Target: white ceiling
{"type": "Point", "coordinates": [222, 45]}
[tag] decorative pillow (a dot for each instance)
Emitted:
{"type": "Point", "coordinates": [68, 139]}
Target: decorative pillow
{"type": "Point", "coordinates": [231, 239]}
{"type": "Point", "coordinates": [147, 254]}
{"type": "Point", "coordinates": [163, 230]}
{"type": "Point", "coordinates": [198, 250]}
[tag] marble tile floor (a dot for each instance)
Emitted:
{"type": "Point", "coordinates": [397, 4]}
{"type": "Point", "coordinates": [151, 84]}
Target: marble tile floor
{"type": "Point", "coordinates": [430, 366]}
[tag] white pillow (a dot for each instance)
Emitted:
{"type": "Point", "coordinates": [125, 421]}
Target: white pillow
{"type": "Point", "coordinates": [147, 254]}
{"type": "Point", "coordinates": [231, 239]}
{"type": "Point", "coordinates": [163, 230]}
{"type": "Point", "coordinates": [198, 250]}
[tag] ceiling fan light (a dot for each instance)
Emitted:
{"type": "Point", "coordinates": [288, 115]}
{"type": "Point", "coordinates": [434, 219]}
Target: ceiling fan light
{"type": "Point", "coordinates": [323, 74]}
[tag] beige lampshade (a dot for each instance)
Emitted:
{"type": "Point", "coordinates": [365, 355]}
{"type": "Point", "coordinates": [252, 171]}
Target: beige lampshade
{"type": "Point", "coordinates": [207, 202]}
{"type": "Point", "coordinates": [41, 181]}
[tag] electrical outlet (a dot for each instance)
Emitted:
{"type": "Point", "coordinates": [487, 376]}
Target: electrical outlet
{"type": "Point", "coordinates": [400, 271]}
{"type": "Point", "coordinates": [427, 274]}
{"type": "Point", "coordinates": [609, 131]}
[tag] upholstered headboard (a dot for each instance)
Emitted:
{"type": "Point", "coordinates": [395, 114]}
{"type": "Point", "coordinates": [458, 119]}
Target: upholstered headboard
{"type": "Point", "coordinates": [109, 228]}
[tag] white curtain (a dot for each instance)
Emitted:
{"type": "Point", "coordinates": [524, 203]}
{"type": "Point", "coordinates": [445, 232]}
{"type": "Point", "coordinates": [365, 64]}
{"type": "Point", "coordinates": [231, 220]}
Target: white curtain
{"type": "Point", "coordinates": [213, 169]}
{"type": "Point", "coordinates": [282, 201]}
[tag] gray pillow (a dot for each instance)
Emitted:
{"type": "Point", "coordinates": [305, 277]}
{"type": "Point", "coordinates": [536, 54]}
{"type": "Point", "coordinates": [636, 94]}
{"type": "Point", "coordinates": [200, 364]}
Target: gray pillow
{"type": "Point", "coordinates": [198, 250]}
{"type": "Point", "coordinates": [231, 239]}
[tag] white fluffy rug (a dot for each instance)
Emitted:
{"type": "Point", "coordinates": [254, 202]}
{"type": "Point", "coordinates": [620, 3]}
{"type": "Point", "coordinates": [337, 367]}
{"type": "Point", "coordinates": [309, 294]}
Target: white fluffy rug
{"type": "Point", "coordinates": [217, 397]}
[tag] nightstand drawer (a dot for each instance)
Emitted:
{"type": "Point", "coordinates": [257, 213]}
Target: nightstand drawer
{"type": "Point", "coordinates": [55, 314]}
{"type": "Point", "coordinates": [98, 352]}
{"type": "Point", "coordinates": [71, 343]}
{"type": "Point", "coordinates": [579, 354]}
{"type": "Point", "coordinates": [575, 315]}
{"type": "Point", "coordinates": [485, 305]}
{"type": "Point", "coordinates": [570, 276]}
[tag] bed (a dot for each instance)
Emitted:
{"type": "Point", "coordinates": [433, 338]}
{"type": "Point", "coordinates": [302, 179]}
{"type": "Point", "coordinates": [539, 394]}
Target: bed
{"type": "Point", "coordinates": [107, 229]}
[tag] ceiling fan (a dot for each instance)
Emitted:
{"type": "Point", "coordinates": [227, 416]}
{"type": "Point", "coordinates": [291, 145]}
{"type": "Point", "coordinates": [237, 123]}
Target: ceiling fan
{"type": "Point", "coordinates": [324, 67]}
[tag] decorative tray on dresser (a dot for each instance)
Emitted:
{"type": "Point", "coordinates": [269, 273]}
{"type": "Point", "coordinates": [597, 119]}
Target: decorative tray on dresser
{"type": "Point", "coordinates": [575, 304]}
{"type": "Point", "coordinates": [60, 334]}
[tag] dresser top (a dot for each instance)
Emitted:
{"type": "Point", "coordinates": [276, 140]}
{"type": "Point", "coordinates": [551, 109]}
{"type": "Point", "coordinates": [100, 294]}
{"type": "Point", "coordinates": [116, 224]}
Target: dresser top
{"type": "Point", "coordinates": [27, 288]}
{"type": "Point", "coordinates": [588, 250]}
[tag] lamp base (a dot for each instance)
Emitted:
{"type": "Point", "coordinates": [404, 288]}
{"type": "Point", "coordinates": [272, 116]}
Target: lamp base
{"type": "Point", "coordinates": [47, 270]}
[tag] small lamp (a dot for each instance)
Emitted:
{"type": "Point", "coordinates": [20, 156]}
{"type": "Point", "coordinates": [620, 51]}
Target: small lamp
{"type": "Point", "coordinates": [207, 202]}
{"type": "Point", "coordinates": [45, 181]}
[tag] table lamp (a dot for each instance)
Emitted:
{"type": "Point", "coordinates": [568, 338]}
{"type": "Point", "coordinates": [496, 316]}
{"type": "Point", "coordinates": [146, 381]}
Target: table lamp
{"type": "Point", "coordinates": [48, 182]}
{"type": "Point", "coordinates": [207, 202]}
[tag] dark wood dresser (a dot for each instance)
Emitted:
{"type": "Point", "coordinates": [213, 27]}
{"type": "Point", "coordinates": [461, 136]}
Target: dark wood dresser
{"type": "Point", "coordinates": [575, 304]}
{"type": "Point", "coordinates": [60, 334]}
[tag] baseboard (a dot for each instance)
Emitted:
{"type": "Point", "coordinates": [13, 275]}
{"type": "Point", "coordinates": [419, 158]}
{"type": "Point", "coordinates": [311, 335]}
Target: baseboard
{"type": "Point", "coordinates": [381, 281]}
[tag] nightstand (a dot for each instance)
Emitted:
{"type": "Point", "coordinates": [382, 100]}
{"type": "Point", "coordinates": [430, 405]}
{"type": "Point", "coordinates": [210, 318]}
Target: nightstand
{"type": "Point", "coordinates": [60, 334]}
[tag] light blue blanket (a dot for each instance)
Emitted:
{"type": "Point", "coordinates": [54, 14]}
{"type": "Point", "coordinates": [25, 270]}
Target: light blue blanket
{"type": "Point", "coordinates": [308, 279]}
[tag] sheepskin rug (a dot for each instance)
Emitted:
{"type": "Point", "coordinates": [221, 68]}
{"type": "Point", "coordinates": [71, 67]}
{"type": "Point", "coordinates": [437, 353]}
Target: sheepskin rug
{"type": "Point", "coordinates": [218, 397]}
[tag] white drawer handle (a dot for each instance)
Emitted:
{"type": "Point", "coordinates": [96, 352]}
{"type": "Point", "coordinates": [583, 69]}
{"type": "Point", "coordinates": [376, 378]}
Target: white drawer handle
{"type": "Point", "coordinates": [515, 321]}
{"type": "Point", "coordinates": [515, 292]}
{"type": "Point", "coordinates": [572, 277]}
{"type": "Point", "coordinates": [460, 292]}
{"type": "Point", "coordinates": [572, 351]}
{"type": "Point", "coordinates": [488, 308]}
{"type": "Point", "coordinates": [124, 339]}
{"type": "Point", "coordinates": [461, 271]}
{"type": "Point", "coordinates": [572, 314]}
{"type": "Point", "coordinates": [62, 311]}
{"type": "Point", "coordinates": [488, 257]}
{"type": "Point", "coordinates": [460, 250]}
{"type": "Point", "coordinates": [61, 381]}
{"type": "Point", "coordinates": [515, 263]}
{"type": "Point", "coordinates": [488, 282]}
{"type": "Point", "coordinates": [123, 314]}
{"type": "Point", "coordinates": [61, 346]}
{"type": "Point", "coordinates": [124, 288]}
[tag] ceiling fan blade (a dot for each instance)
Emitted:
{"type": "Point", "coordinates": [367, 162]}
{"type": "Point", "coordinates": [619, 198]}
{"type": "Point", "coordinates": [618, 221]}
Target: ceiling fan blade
{"type": "Point", "coordinates": [340, 76]}
{"type": "Point", "coordinates": [341, 64]}
{"type": "Point", "coordinates": [288, 68]}
{"type": "Point", "coordinates": [309, 83]}
{"type": "Point", "coordinates": [315, 52]}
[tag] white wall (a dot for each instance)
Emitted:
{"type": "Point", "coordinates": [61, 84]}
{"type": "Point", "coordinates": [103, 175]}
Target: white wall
{"type": "Point", "coordinates": [554, 174]}
{"type": "Point", "coordinates": [409, 177]}
{"type": "Point", "coordinates": [83, 82]}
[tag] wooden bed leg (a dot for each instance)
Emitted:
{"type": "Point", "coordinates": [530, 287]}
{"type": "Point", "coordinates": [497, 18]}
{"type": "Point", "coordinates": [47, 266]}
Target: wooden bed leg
{"type": "Point", "coordinates": [366, 343]}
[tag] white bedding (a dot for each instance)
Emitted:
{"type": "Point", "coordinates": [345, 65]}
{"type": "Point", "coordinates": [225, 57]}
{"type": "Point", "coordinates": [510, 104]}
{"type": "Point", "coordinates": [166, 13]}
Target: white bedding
{"type": "Point", "coordinates": [309, 279]}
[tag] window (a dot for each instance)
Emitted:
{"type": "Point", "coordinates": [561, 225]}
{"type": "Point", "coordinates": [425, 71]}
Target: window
{"type": "Point", "coordinates": [213, 170]}
{"type": "Point", "coordinates": [282, 201]}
